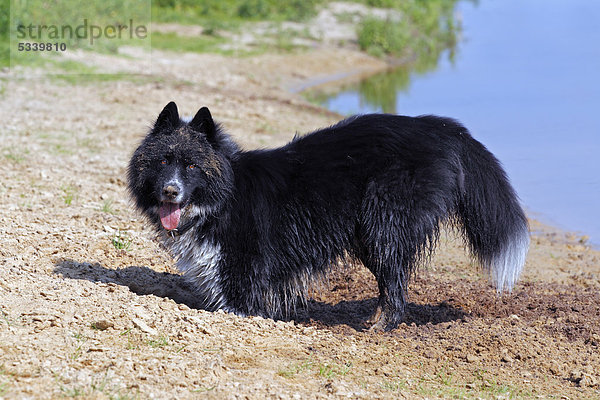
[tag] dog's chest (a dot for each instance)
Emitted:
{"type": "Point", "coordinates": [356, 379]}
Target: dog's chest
{"type": "Point", "coordinates": [199, 261]}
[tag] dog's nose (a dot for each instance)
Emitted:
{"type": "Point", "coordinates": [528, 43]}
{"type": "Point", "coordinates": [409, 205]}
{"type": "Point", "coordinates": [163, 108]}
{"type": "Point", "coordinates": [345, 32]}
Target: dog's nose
{"type": "Point", "coordinates": [171, 191]}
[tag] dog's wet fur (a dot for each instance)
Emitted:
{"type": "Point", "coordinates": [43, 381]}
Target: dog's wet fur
{"type": "Point", "coordinates": [252, 229]}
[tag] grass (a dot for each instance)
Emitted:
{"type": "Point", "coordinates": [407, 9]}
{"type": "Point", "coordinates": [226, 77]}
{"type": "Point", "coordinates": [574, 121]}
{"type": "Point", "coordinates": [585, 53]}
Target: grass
{"type": "Point", "coordinates": [3, 388]}
{"type": "Point", "coordinates": [100, 387]}
{"type": "Point", "coordinates": [134, 341]}
{"type": "Point", "coordinates": [4, 34]}
{"type": "Point", "coordinates": [160, 341]}
{"type": "Point", "coordinates": [443, 384]}
{"type": "Point", "coordinates": [81, 339]}
{"type": "Point", "coordinates": [13, 155]}
{"type": "Point", "coordinates": [424, 30]}
{"type": "Point", "coordinates": [181, 348]}
{"type": "Point", "coordinates": [482, 385]}
{"type": "Point", "coordinates": [69, 194]}
{"type": "Point", "coordinates": [295, 369]}
{"type": "Point", "coordinates": [330, 371]}
{"type": "Point", "coordinates": [75, 72]}
{"type": "Point", "coordinates": [383, 37]}
{"type": "Point", "coordinates": [137, 341]}
{"type": "Point", "coordinates": [121, 240]}
{"type": "Point", "coordinates": [325, 370]}
{"type": "Point", "coordinates": [199, 44]}
{"type": "Point", "coordinates": [394, 385]}
{"type": "Point", "coordinates": [5, 318]}
{"type": "Point", "coordinates": [4, 382]}
{"type": "Point", "coordinates": [282, 40]}
{"type": "Point", "coordinates": [125, 332]}
{"type": "Point", "coordinates": [421, 29]}
{"type": "Point", "coordinates": [213, 15]}
{"type": "Point", "coordinates": [103, 15]}
{"type": "Point", "coordinates": [108, 207]}
{"type": "Point", "coordinates": [190, 11]}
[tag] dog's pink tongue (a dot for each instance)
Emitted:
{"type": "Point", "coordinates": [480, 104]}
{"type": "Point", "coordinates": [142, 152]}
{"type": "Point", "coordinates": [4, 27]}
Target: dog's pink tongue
{"type": "Point", "coordinates": [169, 215]}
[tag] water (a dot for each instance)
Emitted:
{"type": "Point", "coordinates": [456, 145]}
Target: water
{"type": "Point", "coordinates": [525, 80]}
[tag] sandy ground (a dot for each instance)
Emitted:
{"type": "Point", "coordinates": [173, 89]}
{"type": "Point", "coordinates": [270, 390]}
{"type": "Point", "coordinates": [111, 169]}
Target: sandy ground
{"type": "Point", "coordinates": [92, 307]}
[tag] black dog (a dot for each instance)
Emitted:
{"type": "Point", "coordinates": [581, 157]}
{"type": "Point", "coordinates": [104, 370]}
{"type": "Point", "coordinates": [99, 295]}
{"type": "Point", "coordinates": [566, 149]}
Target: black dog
{"type": "Point", "coordinates": [252, 229]}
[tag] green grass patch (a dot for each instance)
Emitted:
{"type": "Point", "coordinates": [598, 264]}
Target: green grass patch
{"type": "Point", "coordinates": [100, 25]}
{"type": "Point", "coordinates": [75, 72]}
{"type": "Point", "coordinates": [121, 240]}
{"type": "Point", "coordinates": [383, 37]}
{"type": "Point", "coordinates": [69, 194]}
{"type": "Point", "coordinates": [4, 381]}
{"type": "Point", "coordinates": [101, 386]}
{"type": "Point", "coordinates": [32, 30]}
{"type": "Point", "coordinates": [444, 384]}
{"type": "Point", "coordinates": [199, 12]}
{"type": "Point", "coordinates": [394, 385]}
{"type": "Point", "coordinates": [424, 29]}
{"type": "Point", "coordinates": [4, 33]}
{"type": "Point", "coordinates": [325, 370]}
{"type": "Point", "coordinates": [108, 207]}
{"type": "Point", "coordinates": [173, 42]}
{"type": "Point", "coordinates": [3, 387]}
{"type": "Point", "coordinates": [7, 321]}
{"type": "Point", "coordinates": [158, 342]}
{"type": "Point", "coordinates": [330, 371]}
{"type": "Point", "coordinates": [14, 155]}
{"type": "Point", "coordinates": [295, 369]}
{"type": "Point", "coordinates": [80, 339]}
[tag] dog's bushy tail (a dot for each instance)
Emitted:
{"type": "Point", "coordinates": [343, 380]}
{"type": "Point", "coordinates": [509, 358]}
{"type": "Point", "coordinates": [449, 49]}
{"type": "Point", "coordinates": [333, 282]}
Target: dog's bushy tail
{"type": "Point", "coordinates": [493, 221]}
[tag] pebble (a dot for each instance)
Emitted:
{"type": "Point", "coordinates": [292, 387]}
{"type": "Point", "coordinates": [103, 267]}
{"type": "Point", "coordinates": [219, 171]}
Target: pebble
{"type": "Point", "coordinates": [142, 326]}
{"type": "Point", "coordinates": [472, 358]}
{"type": "Point", "coordinates": [103, 324]}
{"type": "Point", "coordinates": [507, 359]}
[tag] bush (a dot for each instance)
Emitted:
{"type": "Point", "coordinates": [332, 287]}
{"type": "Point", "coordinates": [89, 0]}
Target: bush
{"type": "Point", "coordinates": [293, 10]}
{"type": "Point", "coordinates": [380, 37]}
{"type": "Point", "coordinates": [424, 30]}
{"type": "Point", "coordinates": [4, 33]}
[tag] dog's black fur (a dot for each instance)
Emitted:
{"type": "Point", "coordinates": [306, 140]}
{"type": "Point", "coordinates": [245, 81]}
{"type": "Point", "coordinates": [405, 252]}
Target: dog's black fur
{"type": "Point", "coordinates": [252, 229]}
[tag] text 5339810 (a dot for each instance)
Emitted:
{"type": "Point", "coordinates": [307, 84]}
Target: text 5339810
{"type": "Point", "coordinates": [34, 46]}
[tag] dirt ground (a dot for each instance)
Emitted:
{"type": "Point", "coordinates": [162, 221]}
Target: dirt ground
{"type": "Point", "coordinates": [92, 307]}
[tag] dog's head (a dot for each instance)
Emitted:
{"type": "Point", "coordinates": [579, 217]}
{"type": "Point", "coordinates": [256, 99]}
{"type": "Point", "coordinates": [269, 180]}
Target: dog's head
{"type": "Point", "coordinates": [182, 169]}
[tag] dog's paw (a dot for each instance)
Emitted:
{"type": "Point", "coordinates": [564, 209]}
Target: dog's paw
{"type": "Point", "coordinates": [376, 316]}
{"type": "Point", "coordinates": [382, 322]}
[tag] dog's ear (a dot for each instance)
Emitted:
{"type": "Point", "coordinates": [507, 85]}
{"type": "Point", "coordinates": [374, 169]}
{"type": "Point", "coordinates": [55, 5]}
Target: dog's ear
{"type": "Point", "coordinates": [203, 122]}
{"type": "Point", "coordinates": [167, 119]}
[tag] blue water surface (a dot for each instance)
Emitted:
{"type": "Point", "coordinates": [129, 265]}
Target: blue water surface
{"type": "Point", "coordinates": [526, 82]}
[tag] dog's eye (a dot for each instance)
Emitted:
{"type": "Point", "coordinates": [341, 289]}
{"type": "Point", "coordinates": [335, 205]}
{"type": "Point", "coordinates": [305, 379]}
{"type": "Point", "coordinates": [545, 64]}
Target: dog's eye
{"type": "Point", "coordinates": [164, 162]}
{"type": "Point", "coordinates": [192, 166]}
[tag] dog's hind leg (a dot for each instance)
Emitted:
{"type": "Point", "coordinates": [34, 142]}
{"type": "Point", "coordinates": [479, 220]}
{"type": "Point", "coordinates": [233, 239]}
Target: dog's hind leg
{"type": "Point", "coordinates": [397, 228]}
{"type": "Point", "coordinates": [392, 296]}
{"type": "Point", "coordinates": [381, 253]}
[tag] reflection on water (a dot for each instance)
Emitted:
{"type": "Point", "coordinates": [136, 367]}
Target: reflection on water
{"type": "Point", "coordinates": [525, 81]}
{"type": "Point", "coordinates": [381, 91]}
{"type": "Point", "coordinates": [439, 28]}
